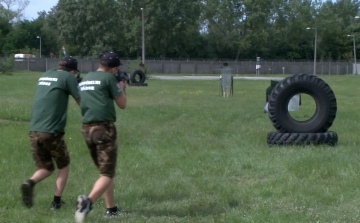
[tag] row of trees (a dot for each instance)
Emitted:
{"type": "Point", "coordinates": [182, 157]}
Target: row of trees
{"type": "Point", "coordinates": [232, 29]}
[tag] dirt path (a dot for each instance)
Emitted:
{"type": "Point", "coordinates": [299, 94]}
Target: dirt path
{"type": "Point", "coordinates": [209, 78]}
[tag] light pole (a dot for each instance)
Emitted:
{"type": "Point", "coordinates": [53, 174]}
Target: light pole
{"type": "Point", "coordinates": [314, 48]}
{"type": "Point", "coordinates": [39, 37]}
{"type": "Point", "coordinates": [353, 36]}
{"type": "Point", "coordinates": [143, 37]}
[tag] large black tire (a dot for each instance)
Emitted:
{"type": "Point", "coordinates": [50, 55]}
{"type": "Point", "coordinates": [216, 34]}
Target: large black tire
{"type": "Point", "coordinates": [283, 139]}
{"type": "Point", "coordinates": [137, 76]}
{"type": "Point", "coordinates": [296, 84]}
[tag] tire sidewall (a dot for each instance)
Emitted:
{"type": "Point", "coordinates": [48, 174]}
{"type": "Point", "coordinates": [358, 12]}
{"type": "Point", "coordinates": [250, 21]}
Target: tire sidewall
{"type": "Point", "coordinates": [285, 90]}
{"type": "Point", "coordinates": [137, 73]}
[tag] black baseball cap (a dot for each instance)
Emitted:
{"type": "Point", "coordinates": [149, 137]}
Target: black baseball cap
{"type": "Point", "coordinates": [110, 59]}
{"type": "Point", "coordinates": [69, 63]}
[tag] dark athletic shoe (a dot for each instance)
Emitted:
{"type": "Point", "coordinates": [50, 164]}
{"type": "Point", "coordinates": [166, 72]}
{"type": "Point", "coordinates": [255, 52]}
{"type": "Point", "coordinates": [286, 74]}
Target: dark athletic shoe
{"type": "Point", "coordinates": [110, 213]}
{"type": "Point", "coordinates": [56, 206]}
{"type": "Point", "coordinates": [83, 207]}
{"type": "Point", "coordinates": [27, 194]}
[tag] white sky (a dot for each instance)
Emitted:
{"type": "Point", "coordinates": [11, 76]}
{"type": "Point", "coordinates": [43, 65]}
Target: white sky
{"type": "Point", "coordinates": [35, 6]}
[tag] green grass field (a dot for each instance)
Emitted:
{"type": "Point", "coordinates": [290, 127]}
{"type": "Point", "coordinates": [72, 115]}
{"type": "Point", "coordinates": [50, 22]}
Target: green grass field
{"type": "Point", "coordinates": [188, 155]}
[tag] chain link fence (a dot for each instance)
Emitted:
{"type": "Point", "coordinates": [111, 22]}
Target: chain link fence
{"type": "Point", "coordinates": [194, 67]}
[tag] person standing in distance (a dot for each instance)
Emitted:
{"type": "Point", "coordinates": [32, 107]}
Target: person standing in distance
{"type": "Point", "coordinates": [47, 123]}
{"type": "Point", "coordinates": [98, 91]}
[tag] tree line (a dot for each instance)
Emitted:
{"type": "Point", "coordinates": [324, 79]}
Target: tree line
{"type": "Point", "coordinates": [206, 29]}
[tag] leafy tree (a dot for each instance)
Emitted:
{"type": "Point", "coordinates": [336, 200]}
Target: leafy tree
{"type": "Point", "coordinates": [23, 37]}
{"type": "Point", "coordinates": [257, 25]}
{"type": "Point", "coordinates": [88, 25]}
{"type": "Point", "coordinates": [171, 27]}
{"type": "Point", "coordinates": [224, 28]}
{"type": "Point", "coordinates": [335, 20]}
{"type": "Point", "coordinates": [49, 32]}
{"type": "Point", "coordinates": [13, 9]}
{"type": "Point", "coordinates": [271, 29]}
{"type": "Point", "coordinates": [5, 28]}
{"type": "Point", "coordinates": [290, 38]}
{"type": "Point", "coordinates": [251, 28]}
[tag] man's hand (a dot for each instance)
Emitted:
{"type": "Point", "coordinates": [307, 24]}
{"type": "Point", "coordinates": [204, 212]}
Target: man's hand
{"type": "Point", "coordinates": [122, 85]}
{"type": "Point", "coordinates": [121, 100]}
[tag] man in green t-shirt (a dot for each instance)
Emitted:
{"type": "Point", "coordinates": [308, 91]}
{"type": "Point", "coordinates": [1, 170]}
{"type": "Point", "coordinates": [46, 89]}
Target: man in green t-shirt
{"type": "Point", "coordinates": [47, 123]}
{"type": "Point", "coordinates": [98, 91]}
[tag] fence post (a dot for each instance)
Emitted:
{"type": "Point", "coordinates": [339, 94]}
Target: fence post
{"type": "Point", "coordinates": [81, 66]}
{"type": "Point", "coordinates": [195, 68]}
{"type": "Point", "coordinates": [162, 66]}
{"type": "Point", "coordinates": [322, 68]}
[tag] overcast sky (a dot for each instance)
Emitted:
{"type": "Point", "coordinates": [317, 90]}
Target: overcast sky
{"type": "Point", "coordinates": [36, 6]}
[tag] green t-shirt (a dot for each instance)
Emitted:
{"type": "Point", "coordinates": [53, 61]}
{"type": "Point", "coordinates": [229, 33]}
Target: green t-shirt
{"type": "Point", "coordinates": [51, 100]}
{"type": "Point", "coordinates": [98, 91]}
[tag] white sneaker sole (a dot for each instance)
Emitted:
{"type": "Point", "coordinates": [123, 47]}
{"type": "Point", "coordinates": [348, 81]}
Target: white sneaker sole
{"type": "Point", "coordinates": [79, 217]}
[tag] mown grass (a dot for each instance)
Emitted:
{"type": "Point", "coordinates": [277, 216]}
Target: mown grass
{"type": "Point", "coordinates": [188, 155]}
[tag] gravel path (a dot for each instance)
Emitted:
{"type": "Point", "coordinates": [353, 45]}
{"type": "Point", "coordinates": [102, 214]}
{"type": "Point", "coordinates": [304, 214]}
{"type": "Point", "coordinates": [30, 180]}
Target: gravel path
{"type": "Point", "coordinates": [209, 78]}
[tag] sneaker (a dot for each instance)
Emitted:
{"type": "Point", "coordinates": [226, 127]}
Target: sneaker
{"type": "Point", "coordinates": [27, 194]}
{"type": "Point", "coordinates": [112, 211]}
{"type": "Point", "coordinates": [56, 206]}
{"type": "Point", "coordinates": [83, 207]}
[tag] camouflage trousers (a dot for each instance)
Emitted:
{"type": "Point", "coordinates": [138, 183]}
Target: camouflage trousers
{"type": "Point", "coordinates": [46, 147]}
{"type": "Point", "coordinates": [101, 140]}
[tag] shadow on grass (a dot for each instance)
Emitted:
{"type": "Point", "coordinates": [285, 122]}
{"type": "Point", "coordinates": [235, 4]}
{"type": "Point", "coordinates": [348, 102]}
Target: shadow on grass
{"type": "Point", "coordinates": [174, 195]}
{"type": "Point", "coordinates": [182, 203]}
{"type": "Point", "coordinates": [199, 209]}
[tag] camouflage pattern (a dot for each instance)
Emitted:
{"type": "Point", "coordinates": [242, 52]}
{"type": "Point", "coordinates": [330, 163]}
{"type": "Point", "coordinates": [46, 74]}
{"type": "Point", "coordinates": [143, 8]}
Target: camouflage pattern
{"type": "Point", "coordinates": [48, 146]}
{"type": "Point", "coordinates": [101, 139]}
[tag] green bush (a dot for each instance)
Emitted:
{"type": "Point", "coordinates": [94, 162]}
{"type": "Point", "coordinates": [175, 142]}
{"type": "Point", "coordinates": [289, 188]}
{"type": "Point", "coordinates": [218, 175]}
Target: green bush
{"type": "Point", "coordinates": [135, 65]}
{"type": "Point", "coordinates": [7, 65]}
